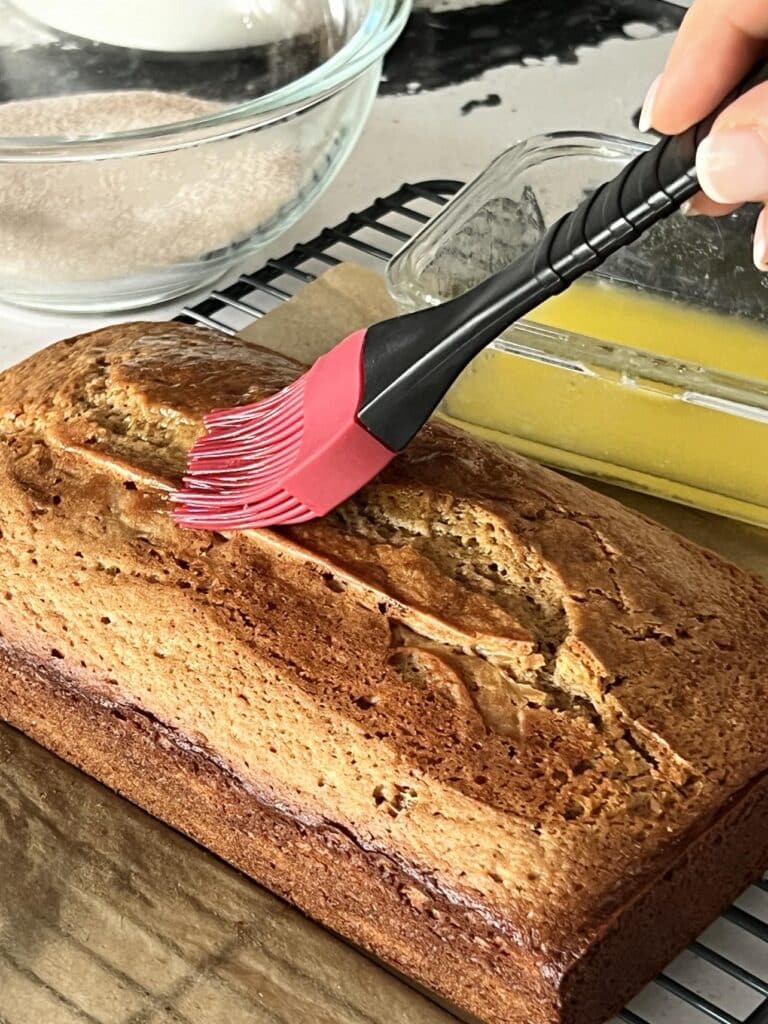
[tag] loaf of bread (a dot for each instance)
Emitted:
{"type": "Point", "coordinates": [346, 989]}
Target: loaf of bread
{"type": "Point", "coordinates": [492, 727]}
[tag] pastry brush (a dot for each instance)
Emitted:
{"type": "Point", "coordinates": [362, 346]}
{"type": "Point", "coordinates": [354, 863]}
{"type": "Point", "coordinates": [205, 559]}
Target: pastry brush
{"type": "Point", "coordinates": [298, 454]}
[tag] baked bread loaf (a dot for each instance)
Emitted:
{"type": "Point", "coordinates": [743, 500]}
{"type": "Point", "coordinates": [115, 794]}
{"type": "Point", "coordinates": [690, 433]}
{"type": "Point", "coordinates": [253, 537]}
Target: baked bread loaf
{"type": "Point", "coordinates": [491, 726]}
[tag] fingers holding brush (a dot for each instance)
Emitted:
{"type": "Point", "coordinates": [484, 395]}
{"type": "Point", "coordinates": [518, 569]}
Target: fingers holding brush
{"type": "Point", "coordinates": [732, 162]}
{"type": "Point", "coordinates": [719, 40]}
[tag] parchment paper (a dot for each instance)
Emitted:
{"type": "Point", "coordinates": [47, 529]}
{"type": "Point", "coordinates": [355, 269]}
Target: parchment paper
{"type": "Point", "coordinates": [109, 917]}
{"type": "Point", "coordinates": [344, 299]}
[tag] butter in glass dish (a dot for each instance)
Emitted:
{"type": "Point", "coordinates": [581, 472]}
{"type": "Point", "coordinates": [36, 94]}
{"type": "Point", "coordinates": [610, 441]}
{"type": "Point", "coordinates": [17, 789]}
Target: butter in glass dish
{"type": "Point", "coordinates": [651, 373]}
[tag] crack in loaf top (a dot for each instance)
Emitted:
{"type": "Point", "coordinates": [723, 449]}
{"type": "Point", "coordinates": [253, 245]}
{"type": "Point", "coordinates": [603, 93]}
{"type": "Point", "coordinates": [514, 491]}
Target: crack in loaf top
{"type": "Point", "coordinates": [520, 691]}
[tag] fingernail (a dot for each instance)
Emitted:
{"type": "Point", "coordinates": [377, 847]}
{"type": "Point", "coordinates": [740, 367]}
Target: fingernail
{"type": "Point", "coordinates": [646, 114]}
{"type": "Point", "coordinates": [688, 209]}
{"type": "Point", "coordinates": [760, 244]}
{"type": "Point", "coordinates": [732, 165]}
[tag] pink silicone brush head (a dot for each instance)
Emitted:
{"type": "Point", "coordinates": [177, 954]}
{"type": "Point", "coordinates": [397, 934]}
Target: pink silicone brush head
{"type": "Point", "coordinates": [287, 459]}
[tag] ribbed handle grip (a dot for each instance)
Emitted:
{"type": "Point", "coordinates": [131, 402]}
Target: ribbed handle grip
{"type": "Point", "coordinates": [650, 188]}
{"type": "Point", "coordinates": [411, 361]}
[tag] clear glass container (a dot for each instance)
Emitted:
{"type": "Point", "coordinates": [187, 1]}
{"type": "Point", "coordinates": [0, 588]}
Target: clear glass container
{"type": "Point", "coordinates": [145, 147]}
{"type": "Point", "coordinates": [651, 373]}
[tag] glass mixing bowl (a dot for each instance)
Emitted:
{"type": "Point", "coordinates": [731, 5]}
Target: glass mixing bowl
{"type": "Point", "coordinates": [146, 147]}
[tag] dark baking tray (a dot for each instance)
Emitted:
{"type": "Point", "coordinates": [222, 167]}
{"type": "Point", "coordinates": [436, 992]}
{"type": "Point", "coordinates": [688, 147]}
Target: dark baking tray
{"type": "Point", "coordinates": [724, 975]}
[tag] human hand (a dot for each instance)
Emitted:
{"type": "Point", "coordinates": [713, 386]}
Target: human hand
{"type": "Point", "coordinates": [718, 42]}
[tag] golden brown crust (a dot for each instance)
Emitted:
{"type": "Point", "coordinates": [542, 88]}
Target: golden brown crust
{"type": "Point", "coordinates": [369, 900]}
{"type": "Point", "coordinates": [509, 687]}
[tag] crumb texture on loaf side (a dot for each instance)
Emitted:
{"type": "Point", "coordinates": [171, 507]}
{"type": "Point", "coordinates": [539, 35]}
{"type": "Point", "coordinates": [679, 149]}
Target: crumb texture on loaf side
{"type": "Point", "coordinates": [526, 697]}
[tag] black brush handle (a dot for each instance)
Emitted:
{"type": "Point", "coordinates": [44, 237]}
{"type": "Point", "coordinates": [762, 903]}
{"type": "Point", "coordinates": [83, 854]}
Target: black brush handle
{"type": "Point", "coordinates": [409, 362]}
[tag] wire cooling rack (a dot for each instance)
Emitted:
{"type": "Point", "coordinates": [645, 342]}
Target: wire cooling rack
{"type": "Point", "coordinates": [369, 237]}
{"type": "Point", "coordinates": [724, 975]}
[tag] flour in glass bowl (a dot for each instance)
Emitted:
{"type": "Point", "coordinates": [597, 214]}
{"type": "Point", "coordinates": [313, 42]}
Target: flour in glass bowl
{"type": "Point", "coordinates": [100, 219]}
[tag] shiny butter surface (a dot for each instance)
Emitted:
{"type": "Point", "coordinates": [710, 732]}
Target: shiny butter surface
{"type": "Point", "coordinates": [635, 421]}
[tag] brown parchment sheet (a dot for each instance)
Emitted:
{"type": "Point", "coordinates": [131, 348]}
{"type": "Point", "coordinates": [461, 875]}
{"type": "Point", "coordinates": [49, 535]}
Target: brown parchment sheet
{"type": "Point", "coordinates": [109, 917]}
{"type": "Point", "coordinates": [344, 299]}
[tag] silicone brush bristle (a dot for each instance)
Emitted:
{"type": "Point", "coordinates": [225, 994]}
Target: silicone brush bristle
{"type": "Point", "coordinates": [287, 459]}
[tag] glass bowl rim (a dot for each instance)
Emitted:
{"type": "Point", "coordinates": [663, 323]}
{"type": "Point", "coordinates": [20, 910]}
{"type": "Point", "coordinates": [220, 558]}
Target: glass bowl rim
{"type": "Point", "coordinates": [382, 24]}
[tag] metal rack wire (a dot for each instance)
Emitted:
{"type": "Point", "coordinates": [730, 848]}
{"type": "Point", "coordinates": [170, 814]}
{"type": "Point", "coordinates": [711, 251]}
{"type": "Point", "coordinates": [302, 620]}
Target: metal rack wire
{"type": "Point", "coordinates": [724, 975]}
{"type": "Point", "coordinates": [369, 237]}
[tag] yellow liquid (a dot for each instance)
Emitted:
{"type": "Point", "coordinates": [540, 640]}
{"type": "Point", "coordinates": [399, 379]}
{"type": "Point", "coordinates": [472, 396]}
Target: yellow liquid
{"type": "Point", "coordinates": [641, 435]}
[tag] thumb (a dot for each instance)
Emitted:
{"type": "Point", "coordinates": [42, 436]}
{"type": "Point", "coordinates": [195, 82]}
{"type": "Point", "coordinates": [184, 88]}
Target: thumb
{"type": "Point", "coordinates": [732, 162]}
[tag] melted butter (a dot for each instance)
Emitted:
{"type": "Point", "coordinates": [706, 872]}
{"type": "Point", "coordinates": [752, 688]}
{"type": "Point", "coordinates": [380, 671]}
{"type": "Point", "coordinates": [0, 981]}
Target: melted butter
{"type": "Point", "coordinates": [640, 434]}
